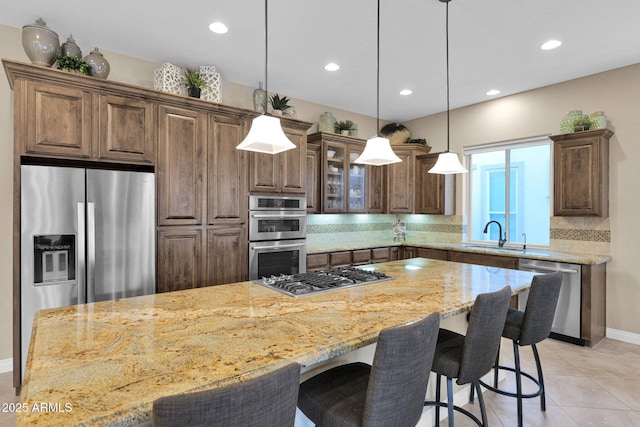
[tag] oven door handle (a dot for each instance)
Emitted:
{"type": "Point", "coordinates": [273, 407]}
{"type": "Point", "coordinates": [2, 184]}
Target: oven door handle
{"type": "Point", "coordinates": [279, 215]}
{"type": "Point", "coordinates": [297, 245]}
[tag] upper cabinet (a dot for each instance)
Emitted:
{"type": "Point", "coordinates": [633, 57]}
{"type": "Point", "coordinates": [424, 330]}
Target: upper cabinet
{"type": "Point", "coordinates": [284, 172]}
{"type": "Point", "coordinates": [434, 193]}
{"type": "Point", "coordinates": [401, 181]}
{"type": "Point", "coordinates": [581, 173]}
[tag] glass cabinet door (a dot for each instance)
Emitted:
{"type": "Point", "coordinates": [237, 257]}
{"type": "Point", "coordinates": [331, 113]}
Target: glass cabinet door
{"type": "Point", "coordinates": [357, 182]}
{"type": "Point", "coordinates": [334, 170]}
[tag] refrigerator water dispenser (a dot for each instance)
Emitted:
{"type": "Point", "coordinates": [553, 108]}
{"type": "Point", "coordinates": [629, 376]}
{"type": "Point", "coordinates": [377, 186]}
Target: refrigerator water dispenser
{"type": "Point", "coordinates": [54, 259]}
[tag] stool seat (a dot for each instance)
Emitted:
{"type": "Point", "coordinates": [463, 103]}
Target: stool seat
{"type": "Point", "coordinates": [513, 324]}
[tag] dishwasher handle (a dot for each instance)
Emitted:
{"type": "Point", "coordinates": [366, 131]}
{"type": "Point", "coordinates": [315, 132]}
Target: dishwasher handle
{"type": "Point", "coordinates": [544, 269]}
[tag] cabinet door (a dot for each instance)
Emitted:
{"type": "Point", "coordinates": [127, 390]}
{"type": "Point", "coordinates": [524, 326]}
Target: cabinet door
{"type": "Point", "coordinates": [432, 253]}
{"type": "Point", "coordinates": [180, 166]}
{"type": "Point", "coordinates": [334, 177]}
{"type": "Point", "coordinates": [435, 193]}
{"type": "Point", "coordinates": [357, 181]}
{"type": "Point", "coordinates": [59, 121]}
{"type": "Point", "coordinates": [227, 259]}
{"type": "Point", "coordinates": [581, 175]}
{"type": "Point", "coordinates": [292, 164]}
{"type": "Point", "coordinates": [483, 259]}
{"type": "Point", "coordinates": [227, 199]}
{"type": "Point", "coordinates": [375, 189]}
{"type": "Point", "coordinates": [263, 173]}
{"type": "Point", "coordinates": [126, 130]}
{"type": "Point", "coordinates": [380, 255]}
{"type": "Point", "coordinates": [317, 262]}
{"type": "Point", "coordinates": [401, 183]}
{"type": "Point", "coordinates": [179, 259]}
{"type": "Point", "coordinates": [313, 178]}
{"type": "Point", "coordinates": [340, 259]}
{"type": "Point", "coordinates": [361, 257]}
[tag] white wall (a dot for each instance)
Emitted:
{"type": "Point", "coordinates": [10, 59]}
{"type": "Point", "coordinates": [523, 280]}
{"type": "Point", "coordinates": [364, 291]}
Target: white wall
{"type": "Point", "coordinates": [538, 112]}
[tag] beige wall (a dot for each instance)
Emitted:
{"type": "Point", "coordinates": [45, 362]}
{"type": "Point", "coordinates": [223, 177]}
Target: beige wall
{"type": "Point", "coordinates": [538, 112]}
{"type": "Point", "coordinates": [123, 69]}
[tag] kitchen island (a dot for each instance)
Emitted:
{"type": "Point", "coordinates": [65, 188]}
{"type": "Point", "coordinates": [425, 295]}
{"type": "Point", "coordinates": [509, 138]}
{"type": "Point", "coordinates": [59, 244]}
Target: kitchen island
{"type": "Point", "coordinates": [105, 363]}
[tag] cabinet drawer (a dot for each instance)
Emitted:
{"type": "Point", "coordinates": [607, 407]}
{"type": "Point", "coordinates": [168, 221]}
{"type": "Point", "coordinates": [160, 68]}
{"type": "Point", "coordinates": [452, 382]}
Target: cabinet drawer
{"type": "Point", "coordinates": [482, 259]}
{"type": "Point", "coordinates": [432, 253]}
{"type": "Point", "coordinates": [362, 256]}
{"type": "Point", "coordinates": [379, 255]}
{"type": "Point", "coordinates": [317, 262]}
{"type": "Point", "coordinates": [340, 259]}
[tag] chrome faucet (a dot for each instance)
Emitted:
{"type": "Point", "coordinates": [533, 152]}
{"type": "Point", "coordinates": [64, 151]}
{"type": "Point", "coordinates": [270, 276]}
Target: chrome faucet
{"type": "Point", "coordinates": [501, 241]}
{"type": "Point", "coordinates": [524, 246]}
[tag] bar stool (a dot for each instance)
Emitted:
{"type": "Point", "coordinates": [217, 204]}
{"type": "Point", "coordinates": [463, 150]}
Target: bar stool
{"type": "Point", "coordinates": [265, 401]}
{"type": "Point", "coordinates": [468, 357]}
{"type": "Point", "coordinates": [529, 327]}
{"type": "Point", "coordinates": [388, 393]}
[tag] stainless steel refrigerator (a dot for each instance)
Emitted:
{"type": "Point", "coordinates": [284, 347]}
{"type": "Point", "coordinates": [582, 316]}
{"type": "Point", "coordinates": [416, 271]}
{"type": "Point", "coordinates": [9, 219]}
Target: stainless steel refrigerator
{"type": "Point", "coordinates": [86, 235]}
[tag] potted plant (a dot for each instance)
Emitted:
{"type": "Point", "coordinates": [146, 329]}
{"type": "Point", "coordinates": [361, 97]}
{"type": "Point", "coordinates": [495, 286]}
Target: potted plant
{"type": "Point", "coordinates": [344, 127]}
{"type": "Point", "coordinates": [582, 123]}
{"type": "Point", "coordinates": [279, 105]}
{"type": "Point", "coordinates": [194, 82]}
{"type": "Point", "coordinates": [72, 64]}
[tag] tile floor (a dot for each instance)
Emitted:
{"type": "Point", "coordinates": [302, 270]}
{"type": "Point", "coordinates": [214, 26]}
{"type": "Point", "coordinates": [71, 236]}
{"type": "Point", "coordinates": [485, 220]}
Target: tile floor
{"type": "Point", "coordinates": [586, 387]}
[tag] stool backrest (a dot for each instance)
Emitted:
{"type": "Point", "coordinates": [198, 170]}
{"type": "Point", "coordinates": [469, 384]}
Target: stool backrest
{"type": "Point", "coordinates": [400, 374]}
{"type": "Point", "coordinates": [482, 341]}
{"type": "Point", "coordinates": [265, 401]}
{"type": "Point", "coordinates": [541, 308]}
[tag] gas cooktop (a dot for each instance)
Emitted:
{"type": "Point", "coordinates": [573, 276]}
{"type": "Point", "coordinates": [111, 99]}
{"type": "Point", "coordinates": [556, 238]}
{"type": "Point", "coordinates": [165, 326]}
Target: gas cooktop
{"type": "Point", "coordinates": [314, 282]}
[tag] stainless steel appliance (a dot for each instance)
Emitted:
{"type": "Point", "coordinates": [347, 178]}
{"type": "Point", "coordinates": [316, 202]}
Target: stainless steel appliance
{"type": "Point", "coordinates": [277, 235]}
{"type": "Point", "coordinates": [314, 282]}
{"type": "Point", "coordinates": [86, 235]}
{"type": "Point", "coordinates": [566, 323]}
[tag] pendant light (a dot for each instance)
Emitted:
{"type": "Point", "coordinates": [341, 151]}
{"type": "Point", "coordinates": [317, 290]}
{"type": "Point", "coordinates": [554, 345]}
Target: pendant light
{"type": "Point", "coordinates": [448, 162]}
{"type": "Point", "coordinates": [378, 150]}
{"type": "Point", "coordinates": [266, 134]}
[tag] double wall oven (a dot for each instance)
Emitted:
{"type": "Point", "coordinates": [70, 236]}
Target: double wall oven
{"type": "Point", "coordinates": [277, 235]}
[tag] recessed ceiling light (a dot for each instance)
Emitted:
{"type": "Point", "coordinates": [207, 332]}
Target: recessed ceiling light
{"type": "Point", "coordinates": [551, 44]}
{"type": "Point", "coordinates": [493, 92]}
{"type": "Point", "coordinates": [406, 92]}
{"type": "Point", "coordinates": [332, 66]}
{"type": "Point", "coordinates": [218, 27]}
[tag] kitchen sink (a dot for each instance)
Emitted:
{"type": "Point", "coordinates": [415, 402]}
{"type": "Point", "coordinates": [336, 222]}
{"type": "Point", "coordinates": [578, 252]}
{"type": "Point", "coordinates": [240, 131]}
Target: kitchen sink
{"type": "Point", "coordinates": [494, 248]}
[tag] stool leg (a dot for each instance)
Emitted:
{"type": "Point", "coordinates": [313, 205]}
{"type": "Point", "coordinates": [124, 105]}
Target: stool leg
{"type": "Point", "coordinates": [516, 354]}
{"type": "Point", "coordinates": [496, 369]}
{"type": "Point", "coordinates": [483, 410]}
{"type": "Point", "coordinates": [471, 393]}
{"type": "Point", "coordinates": [437, 423]}
{"type": "Point", "coordinates": [450, 400]}
{"type": "Point", "coordinates": [543, 403]}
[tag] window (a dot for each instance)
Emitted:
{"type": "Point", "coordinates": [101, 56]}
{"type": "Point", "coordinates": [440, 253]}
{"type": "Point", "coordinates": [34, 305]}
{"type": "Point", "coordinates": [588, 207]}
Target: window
{"type": "Point", "coordinates": [510, 182]}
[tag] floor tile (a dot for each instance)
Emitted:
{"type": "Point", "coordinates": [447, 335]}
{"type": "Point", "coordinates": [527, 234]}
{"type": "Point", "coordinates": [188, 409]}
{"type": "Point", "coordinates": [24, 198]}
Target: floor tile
{"type": "Point", "coordinates": [554, 416]}
{"type": "Point", "coordinates": [626, 391]}
{"type": "Point", "coordinates": [581, 392]}
{"type": "Point", "coordinates": [587, 417]}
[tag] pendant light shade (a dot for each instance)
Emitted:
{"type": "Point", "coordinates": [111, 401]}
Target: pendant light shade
{"type": "Point", "coordinates": [378, 150]}
{"type": "Point", "coordinates": [266, 134]}
{"type": "Point", "coordinates": [448, 162]}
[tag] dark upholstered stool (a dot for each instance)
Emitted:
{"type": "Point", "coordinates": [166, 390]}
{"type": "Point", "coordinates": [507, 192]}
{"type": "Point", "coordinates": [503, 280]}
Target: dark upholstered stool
{"type": "Point", "coordinates": [388, 393]}
{"type": "Point", "coordinates": [528, 328]}
{"type": "Point", "coordinates": [468, 357]}
{"type": "Point", "coordinates": [266, 401]}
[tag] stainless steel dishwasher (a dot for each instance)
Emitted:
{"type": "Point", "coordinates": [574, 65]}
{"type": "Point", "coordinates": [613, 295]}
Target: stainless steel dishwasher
{"type": "Point", "coordinates": [566, 323]}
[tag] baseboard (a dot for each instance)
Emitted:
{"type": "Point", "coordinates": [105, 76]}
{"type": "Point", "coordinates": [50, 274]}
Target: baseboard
{"type": "Point", "coordinates": [6, 365]}
{"type": "Point", "coordinates": [625, 336]}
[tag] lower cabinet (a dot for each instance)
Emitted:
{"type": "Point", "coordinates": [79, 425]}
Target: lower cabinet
{"type": "Point", "coordinates": [483, 259]}
{"type": "Point", "coordinates": [182, 253]}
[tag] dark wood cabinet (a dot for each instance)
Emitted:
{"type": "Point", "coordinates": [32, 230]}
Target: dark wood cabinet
{"type": "Point", "coordinates": [484, 259]}
{"type": "Point", "coordinates": [431, 253]}
{"type": "Point", "coordinates": [434, 193]}
{"type": "Point", "coordinates": [284, 172]}
{"type": "Point", "coordinates": [401, 178]}
{"type": "Point", "coordinates": [227, 258]}
{"type": "Point", "coordinates": [179, 259]}
{"type": "Point", "coordinates": [313, 178]}
{"type": "Point", "coordinates": [318, 262]}
{"type": "Point", "coordinates": [181, 163]}
{"type": "Point", "coordinates": [361, 257]}
{"type": "Point", "coordinates": [340, 259]}
{"type": "Point", "coordinates": [380, 255]}
{"type": "Point", "coordinates": [126, 129]}
{"type": "Point", "coordinates": [581, 173]}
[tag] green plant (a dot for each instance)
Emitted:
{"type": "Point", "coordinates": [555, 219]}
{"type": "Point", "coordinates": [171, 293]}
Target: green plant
{"type": "Point", "coordinates": [583, 121]}
{"type": "Point", "coordinates": [192, 78]}
{"type": "Point", "coordinates": [344, 125]}
{"type": "Point", "coordinates": [278, 103]}
{"type": "Point", "coordinates": [72, 63]}
{"type": "Point", "coordinates": [420, 141]}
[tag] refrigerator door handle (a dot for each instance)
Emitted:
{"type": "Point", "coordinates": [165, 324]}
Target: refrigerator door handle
{"type": "Point", "coordinates": [91, 252]}
{"type": "Point", "coordinates": [80, 254]}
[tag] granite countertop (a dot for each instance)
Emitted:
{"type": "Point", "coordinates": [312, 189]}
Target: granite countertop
{"type": "Point", "coordinates": [105, 363]}
{"type": "Point", "coordinates": [539, 254]}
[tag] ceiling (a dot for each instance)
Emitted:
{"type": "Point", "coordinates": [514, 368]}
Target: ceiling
{"type": "Point", "coordinates": [493, 44]}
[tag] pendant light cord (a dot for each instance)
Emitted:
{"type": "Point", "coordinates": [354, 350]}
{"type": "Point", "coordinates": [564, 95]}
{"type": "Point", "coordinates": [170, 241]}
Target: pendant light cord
{"type": "Point", "coordinates": [447, 41]}
{"type": "Point", "coordinates": [378, 74]}
{"type": "Point", "coordinates": [266, 55]}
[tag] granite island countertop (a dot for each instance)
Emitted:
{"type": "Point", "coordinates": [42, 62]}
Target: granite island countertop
{"type": "Point", "coordinates": [105, 363]}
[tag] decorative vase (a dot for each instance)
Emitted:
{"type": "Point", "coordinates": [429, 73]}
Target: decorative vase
{"type": "Point", "coordinates": [344, 132]}
{"type": "Point", "coordinates": [41, 45]}
{"type": "Point", "coordinates": [99, 66]}
{"type": "Point", "coordinates": [598, 120]}
{"type": "Point", "coordinates": [290, 112]}
{"type": "Point", "coordinates": [194, 92]}
{"type": "Point", "coordinates": [327, 122]}
{"type": "Point", "coordinates": [259, 98]}
{"type": "Point", "coordinates": [70, 48]}
{"type": "Point", "coordinates": [566, 124]}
